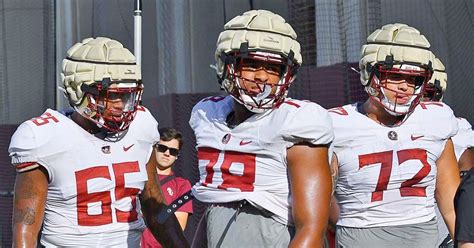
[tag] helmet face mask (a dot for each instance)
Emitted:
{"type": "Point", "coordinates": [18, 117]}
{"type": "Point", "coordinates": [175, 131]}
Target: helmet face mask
{"type": "Point", "coordinates": [256, 41]}
{"type": "Point", "coordinates": [103, 83]}
{"type": "Point", "coordinates": [113, 107]}
{"type": "Point", "coordinates": [396, 53]}
{"type": "Point", "coordinates": [414, 76]}
{"type": "Point", "coordinates": [258, 95]}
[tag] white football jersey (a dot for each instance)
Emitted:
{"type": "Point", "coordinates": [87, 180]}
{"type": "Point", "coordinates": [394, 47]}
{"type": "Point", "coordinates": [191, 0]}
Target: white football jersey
{"type": "Point", "coordinates": [249, 161]}
{"type": "Point", "coordinates": [464, 139]}
{"type": "Point", "coordinates": [387, 175]}
{"type": "Point", "coordinates": [93, 184]}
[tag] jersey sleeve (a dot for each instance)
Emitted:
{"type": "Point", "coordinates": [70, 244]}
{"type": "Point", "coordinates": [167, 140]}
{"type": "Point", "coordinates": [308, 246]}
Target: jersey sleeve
{"type": "Point", "coordinates": [23, 148]}
{"type": "Point", "coordinates": [148, 128]}
{"type": "Point", "coordinates": [464, 139]}
{"type": "Point", "coordinates": [194, 119]}
{"type": "Point", "coordinates": [213, 107]}
{"type": "Point", "coordinates": [151, 126]}
{"type": "Point", "coordinates": [465, 135]}
{"type": "Point", "coordinates": [453, 126]}
{"type": "Point", "coordinates": [440, 120]}
{"type": "Point", "coordinates": [308, 123]}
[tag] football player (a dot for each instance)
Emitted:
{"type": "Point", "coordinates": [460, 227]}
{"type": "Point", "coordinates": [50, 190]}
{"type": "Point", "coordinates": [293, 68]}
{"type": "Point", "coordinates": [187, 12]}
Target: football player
{"type": "Point", "coordinates": [263, 158]}
{"type": "Point", "coordinates": [81, 175]}
{"type": "Point", "coordinates": [463, 141]}
{"type": "Point", "coordinates": [394, 155]}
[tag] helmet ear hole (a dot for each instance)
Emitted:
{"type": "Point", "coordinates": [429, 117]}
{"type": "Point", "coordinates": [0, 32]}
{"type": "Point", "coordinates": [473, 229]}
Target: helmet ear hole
{"type": "Point", "coordinates": [438, 81]}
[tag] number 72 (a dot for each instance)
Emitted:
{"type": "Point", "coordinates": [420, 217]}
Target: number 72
{"type": "Point", "coordinates": [385, 159]}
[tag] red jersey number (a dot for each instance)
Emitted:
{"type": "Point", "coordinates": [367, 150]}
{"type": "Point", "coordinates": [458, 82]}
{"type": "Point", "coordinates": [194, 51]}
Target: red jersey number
{"type": "Point", "coordinates": [385, 161]}
{"type": "Point", "coordinates": [243, 182]}
{"type": "Point", "coordinates": [44, 119]}
{"type": "Point", "coordinates": [84, 198]}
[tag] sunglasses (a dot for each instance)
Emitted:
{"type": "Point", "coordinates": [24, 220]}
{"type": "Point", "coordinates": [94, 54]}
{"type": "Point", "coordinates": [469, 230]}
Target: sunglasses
{"type": "Point", "coordinates": [163, 149]}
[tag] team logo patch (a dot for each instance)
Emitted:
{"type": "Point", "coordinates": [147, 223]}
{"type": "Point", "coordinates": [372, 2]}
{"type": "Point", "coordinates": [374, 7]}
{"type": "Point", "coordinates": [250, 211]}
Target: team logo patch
{"type": "Point", "coordinates": [106, 149]}
{"type": "Point", "coordinates": [392, 135]}
{"type": "Point", "coordinates": [170, 191]}
{"type": "Point", "coordinates": [226, 138]}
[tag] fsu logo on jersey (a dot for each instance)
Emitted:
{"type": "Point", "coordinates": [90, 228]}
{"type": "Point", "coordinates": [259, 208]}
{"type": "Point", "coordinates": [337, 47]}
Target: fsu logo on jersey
{"type": "Point", "coordinates": [106, 149]}
{"type": "Point", "coordinates": [226, 138]}
{"type": "Point", "coordinates": [392, 135]}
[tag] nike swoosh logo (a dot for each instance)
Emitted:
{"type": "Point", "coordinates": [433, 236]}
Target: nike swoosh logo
{"type": "Point", "coordinates": [126, 148]}
{"type": "Point", "coordinates": [413, 137]}
{"type": "Point", "coordinates": [243, 143]}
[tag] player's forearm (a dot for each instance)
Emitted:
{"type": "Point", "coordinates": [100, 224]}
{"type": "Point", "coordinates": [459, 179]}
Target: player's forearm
{"type": "Point", "coordinates": [28, 208]}
{"type": "Point", "coordinates": [447, 183]}
{"type": "Point", "coordinates": [26, 225]}
{"type": "Point", "coordinates": [446, 207]}
{"type": "Point", "coordinates": [308, 237]}
{"type": "Point", "coordinates": [449, 218]}
{"type": "Point", "coordinates": [311, 189]}
{"type": "Point", "coordinates": [23, 237]}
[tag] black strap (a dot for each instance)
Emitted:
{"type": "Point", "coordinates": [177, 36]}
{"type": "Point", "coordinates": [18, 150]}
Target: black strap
{"type": "Point", "coordinates": [175, 205]}
{"type": "Point", "coordinates": [229, 223]}
{"type": "Point", "coordinates": [447, 242]}
{"type": "Point", "coordinates": [167, 179]}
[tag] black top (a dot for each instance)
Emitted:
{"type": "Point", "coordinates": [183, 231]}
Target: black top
{"type": "Point", "coordinates": [464, 206]}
